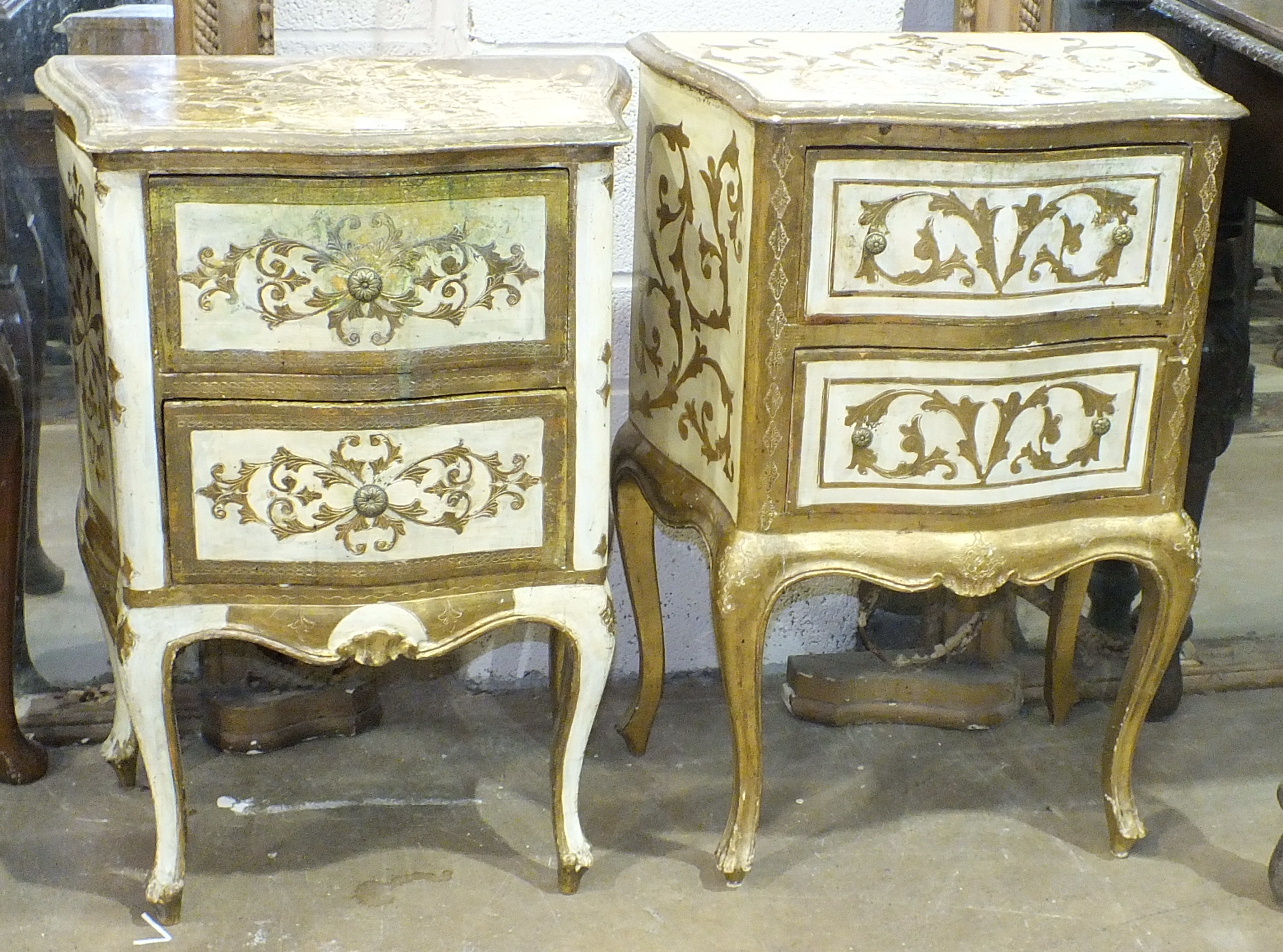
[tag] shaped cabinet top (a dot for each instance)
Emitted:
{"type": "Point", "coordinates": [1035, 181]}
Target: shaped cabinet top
{"type": "Point", "coordinates": [996, 79]}
{"type": "Point", "coordinates": [336, 105]}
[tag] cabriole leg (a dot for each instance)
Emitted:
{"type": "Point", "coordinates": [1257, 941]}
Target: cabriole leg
{"type": "Point", "coordinates": [1059, 688]}
{"type": "Point", "coordinates": [120, 749]}
{"type": "Point", "coordinates": [635, 524]}
{"type": "Point", "coordinates": [1167, 594]}
{"type": "Point", "coordinates": [741, 605]}
{"type": "Point", "coordinates": [145, 683]}
{"type": "Point", "coordinates": [584, 616]}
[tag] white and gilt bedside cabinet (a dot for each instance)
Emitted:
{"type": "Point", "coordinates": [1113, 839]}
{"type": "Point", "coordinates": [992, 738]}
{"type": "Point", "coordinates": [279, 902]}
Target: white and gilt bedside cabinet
{"type": "Point", "coordinates": [923, 310]}
{"type": "Point", "coordinates": [341, 335]}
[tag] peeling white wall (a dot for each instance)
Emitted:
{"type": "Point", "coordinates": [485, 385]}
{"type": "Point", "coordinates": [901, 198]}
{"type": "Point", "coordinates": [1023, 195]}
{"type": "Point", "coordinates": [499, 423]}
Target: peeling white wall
{"type": "Point", "coordinates": [812, 617]}
{"type": "Point", "coordinates": [386, 27]}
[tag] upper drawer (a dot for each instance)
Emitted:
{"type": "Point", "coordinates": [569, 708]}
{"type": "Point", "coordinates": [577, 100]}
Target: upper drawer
{"type": "Point", "coordinates": [359, 275]}
{"type": "Point", "coordinates": [991, 235]}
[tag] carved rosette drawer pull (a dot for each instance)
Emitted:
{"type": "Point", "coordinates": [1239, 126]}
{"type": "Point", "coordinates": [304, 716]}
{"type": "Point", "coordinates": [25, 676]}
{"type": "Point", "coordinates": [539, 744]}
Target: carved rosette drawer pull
{"type": "Point", "coordinates": [861, 437]}
{"type": "Point", "coordinates": [365, 284]}
{"type": "Point", "coordinates": [449, 489]}
{"type": "Point", "coordinates": [1123, 235]}
{"type": "Point", "coordinates": [1100, 426]}
{"type": "Point", "coordinates": [875, 242]}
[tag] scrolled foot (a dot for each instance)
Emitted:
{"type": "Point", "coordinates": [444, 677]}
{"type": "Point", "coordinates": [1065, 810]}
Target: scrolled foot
{"type": "Point", "coordinates": [568, 877]}
{"type": "Point", "coordinates": [123, 760]}
{"type": "Point", "coordinates": [167, 901]}
{"type": "Point", "coordinates": [734, 861]}
{"type": "Point", "coordinates": [636, 736]}
{"type": "Point", "coordinates": [735, 851]}
{"type": "Point", "coordinates": [1121, 846]}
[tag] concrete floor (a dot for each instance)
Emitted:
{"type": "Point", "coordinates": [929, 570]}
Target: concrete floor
{"type": "Point", "coordinates": [873, 838]}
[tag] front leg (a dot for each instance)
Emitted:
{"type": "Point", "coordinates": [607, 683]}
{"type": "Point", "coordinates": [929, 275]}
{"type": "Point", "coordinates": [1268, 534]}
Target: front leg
{"type": "Point", "coordinates": [1167, 595]}
{"type": "Point", "coordinates": [586, 617]}
{"type": "Point", "coordinates": [144, 682]}
{"type": "Point", "coordinates": [742, 600]}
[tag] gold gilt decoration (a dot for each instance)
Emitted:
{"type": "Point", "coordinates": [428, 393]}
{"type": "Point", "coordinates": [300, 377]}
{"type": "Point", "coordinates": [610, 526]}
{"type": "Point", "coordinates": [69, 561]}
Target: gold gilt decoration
{"type": "Point", "coordinates": [777, 354]}
{"type": "Point", "coordinates": [76, 195]}
{"type": "Point", "coordinates": [696, 232]}
{"type": "Point", "coordinates": [1097, 407]}
{"type": "Point", "coordinates": [377, 648]}
{"type": "Point", "coordinates": [374, 274]}
{"type": "Point", "coordinates": [1194, 310]}
{"type": "Point", "coordinates": [364, 494]}
{"type": "Point", "coordinates": [980, 570]}
{"type": "Point", "coordinates": [96, 376]}
{"type": "Point", "coordinates": [1113, 211]}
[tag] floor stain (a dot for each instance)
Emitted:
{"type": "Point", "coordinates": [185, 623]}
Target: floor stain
{"type": "Point", "coordinates": [380, 892]}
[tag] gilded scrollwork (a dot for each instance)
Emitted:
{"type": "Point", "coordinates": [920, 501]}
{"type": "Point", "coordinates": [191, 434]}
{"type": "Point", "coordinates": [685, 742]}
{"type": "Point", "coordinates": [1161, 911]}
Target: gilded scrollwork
{"type": "Point", "coordinates": [374, 273]}
{"type": "Point", "coordinates": [365, 491]}
{"type": "Point", "coordinates": [1097, 408]}
{"type": "Point", "coordinates": [695, 237]}
{"type": "Point", "coordinates": [1111, 211]}
{"type": "Point", "coordinates": [96, 375]}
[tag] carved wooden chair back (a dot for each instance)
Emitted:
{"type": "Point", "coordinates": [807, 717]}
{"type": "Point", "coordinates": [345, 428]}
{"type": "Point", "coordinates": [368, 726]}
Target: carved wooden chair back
{"type": "Point", "coordinates": [224, 27]}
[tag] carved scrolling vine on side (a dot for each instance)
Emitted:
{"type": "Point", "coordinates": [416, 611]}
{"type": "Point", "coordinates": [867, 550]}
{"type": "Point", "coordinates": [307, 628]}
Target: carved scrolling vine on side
{"type": "Point", "coordinates": [362, 491]}
{"type": "Point", "coordinates": [373, 273]}
{"type": "Point", "coordinates": [689, 272]}
{"type": "Point", "coordinates": [1073, 210]}
{"type": "Point", "coordinates": [982, 454]}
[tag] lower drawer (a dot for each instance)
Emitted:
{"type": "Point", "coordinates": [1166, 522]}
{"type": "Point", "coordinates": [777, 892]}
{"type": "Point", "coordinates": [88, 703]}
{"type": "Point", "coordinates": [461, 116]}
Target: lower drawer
{"type": "Point", "coordinates": [405, 491]}
{"type": "Point", "coordinates": [886, 427]}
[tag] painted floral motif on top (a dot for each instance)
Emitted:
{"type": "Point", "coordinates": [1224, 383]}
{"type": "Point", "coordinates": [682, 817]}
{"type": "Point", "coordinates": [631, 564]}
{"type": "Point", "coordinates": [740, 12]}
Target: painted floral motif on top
{"type": "Point", "coordinates": [364, 279]}
{"type": "Point", "coordinates": [980, 454]}
{"type": "Point", "coordinates": [1000, 69]}
{"type": "Point", "coordinates": [366, 492]}
{"type": "Point", "coordinates": [695, 236]}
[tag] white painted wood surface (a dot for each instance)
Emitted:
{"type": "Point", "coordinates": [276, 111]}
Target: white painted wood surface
{"type": "Point", "coordinates": [825, 441]}
{"type": "Point", "coordinates": [1049, 212]}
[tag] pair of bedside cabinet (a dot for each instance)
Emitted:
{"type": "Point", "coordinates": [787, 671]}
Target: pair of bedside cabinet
{"type": "Point", "coordinates": [922, 309]}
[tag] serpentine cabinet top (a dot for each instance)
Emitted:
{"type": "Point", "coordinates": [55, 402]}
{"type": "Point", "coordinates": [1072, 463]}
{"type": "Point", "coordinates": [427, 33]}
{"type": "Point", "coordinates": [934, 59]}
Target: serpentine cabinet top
{"type": "Point", "coordinates": [998, 79]}
{"type": "Point", "coordinates": [336, 105]}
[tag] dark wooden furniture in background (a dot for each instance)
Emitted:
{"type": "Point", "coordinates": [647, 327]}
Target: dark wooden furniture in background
{"type": "Point", "coordinates": [20, 760]}
{"type": "Point", "coordinates": [1237, 45]}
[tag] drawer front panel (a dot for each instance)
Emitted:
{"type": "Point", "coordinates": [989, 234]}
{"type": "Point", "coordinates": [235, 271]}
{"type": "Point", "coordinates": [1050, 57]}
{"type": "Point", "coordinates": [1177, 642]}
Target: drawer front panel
{"type": "Point", "coordinates": [359, 275]}
{"type": "Point", "coordinates": [991, 235]}
{"type": "Point", "coordinates": [349, 492]}
{"type": "Point", "coordinates": [971, 430]}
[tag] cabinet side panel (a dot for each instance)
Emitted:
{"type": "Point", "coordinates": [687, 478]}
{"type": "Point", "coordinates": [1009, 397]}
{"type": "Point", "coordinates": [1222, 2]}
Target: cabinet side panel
{"type": "Point", "coordinates": [592, 326]}
{"type": "Point", "coordinates": [128, 346]}
{"type": "Point", "coordinates": [690, 303]}
{"type": "Point", "coordinates": [94, 375]}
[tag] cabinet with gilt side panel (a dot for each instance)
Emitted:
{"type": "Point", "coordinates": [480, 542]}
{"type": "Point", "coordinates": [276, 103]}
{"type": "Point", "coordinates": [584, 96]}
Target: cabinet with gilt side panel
{"type": "Point", "coordinates": [341, 342]}
{"type": "Point", "coordinates": [924, 310]}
